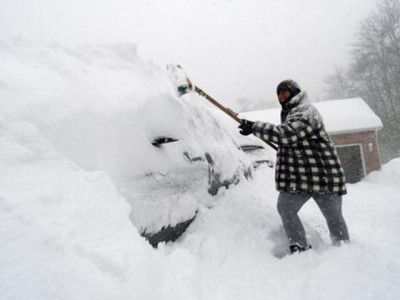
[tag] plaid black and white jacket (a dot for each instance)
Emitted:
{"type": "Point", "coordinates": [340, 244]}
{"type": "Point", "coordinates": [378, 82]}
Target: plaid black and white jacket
{"type": "Point", "coordinates": [307, 161]}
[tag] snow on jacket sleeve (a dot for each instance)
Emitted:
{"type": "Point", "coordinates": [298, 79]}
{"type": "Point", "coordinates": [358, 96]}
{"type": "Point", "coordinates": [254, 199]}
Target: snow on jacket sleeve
{"type": "Point", "coordinates": [294, 130]}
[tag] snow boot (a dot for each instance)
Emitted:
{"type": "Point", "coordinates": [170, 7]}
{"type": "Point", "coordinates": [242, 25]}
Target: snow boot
{"type": "Point", "coordinates": [297, 249]}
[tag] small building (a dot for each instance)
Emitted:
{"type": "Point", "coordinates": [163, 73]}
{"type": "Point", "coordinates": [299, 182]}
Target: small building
{"type": "Point", "coordinates": [353, 127]}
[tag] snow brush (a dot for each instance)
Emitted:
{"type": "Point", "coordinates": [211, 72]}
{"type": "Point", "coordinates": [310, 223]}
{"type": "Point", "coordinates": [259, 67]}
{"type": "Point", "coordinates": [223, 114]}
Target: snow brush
{"type": "Point", "coordinates": [185, 85]}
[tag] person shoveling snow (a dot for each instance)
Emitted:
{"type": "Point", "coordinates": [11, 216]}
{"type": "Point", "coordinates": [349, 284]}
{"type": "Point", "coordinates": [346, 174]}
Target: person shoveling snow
{"type": "Point", "coordinates": [307, 166]}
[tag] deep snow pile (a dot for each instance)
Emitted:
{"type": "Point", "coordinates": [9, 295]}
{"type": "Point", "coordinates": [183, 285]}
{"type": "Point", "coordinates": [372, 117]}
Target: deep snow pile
{"type": "Point", "coordinates": [101, 106]}
{"type": "Point", "coordinates": [75, 132]}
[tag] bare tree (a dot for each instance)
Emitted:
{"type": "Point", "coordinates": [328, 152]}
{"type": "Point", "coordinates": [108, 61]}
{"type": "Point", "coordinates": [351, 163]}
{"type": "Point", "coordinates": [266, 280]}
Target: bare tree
{"type": "Point", "coordinates": [340, 84]}
{"type": "Point", "coordinates": [374, 72]}
{"type": "Point", "coordinates": [376, 58]}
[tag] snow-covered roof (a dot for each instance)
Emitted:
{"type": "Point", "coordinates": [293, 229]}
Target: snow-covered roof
{"type": "Point", "coordinates": [340, 116]}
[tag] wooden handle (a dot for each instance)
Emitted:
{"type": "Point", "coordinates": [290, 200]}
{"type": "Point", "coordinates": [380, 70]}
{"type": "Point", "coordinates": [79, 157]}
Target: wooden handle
{"type": "Point", "coordinates": [228, 111]}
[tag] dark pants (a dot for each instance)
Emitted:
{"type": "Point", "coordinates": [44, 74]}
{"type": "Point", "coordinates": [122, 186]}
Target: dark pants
{"type": "Point", "coordinates": [330, 206]}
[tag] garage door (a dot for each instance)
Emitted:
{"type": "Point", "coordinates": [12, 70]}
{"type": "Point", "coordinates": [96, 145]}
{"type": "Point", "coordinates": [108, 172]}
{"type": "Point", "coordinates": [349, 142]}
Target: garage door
{"type": "Point", "coordinates": [352, 162]}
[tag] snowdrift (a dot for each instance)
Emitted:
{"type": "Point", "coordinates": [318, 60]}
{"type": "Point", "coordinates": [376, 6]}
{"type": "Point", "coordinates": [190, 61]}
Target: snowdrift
{"type": "Point", "coordinates": [102, 107]}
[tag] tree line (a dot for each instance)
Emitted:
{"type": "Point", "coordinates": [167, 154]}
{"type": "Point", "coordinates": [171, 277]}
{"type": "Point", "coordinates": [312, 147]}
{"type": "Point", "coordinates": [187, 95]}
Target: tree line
{"type": "Point", "coordinates": [374, 72]}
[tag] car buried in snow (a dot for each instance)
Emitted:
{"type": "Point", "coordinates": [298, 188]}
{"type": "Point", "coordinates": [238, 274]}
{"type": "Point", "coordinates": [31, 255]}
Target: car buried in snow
{"type": "Point", "coordinates": [107, 111]}
{"type": "Point", "coordinates": [195, 153]}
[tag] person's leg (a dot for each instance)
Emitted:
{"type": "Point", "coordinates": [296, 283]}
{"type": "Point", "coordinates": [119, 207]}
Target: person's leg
{"type": "Point", "coordinates": [288, 207]}
{"type": "Point", "coordinates": [331, 207]}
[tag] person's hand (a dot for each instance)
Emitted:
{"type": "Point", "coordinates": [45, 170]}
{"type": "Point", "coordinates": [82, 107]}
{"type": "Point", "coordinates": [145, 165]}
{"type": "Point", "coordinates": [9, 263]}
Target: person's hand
{"type": "Point", "coordinates": [246, 127]}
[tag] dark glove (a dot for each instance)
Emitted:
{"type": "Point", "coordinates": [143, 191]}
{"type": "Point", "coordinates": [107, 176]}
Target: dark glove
{"type": "Point", "coordinates": [246, 127]}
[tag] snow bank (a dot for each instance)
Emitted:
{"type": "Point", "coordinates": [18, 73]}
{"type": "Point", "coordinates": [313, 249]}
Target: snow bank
{"type": "Point", "coordinates": [86, 100]}
{"type": "Point", "coordinates": [101, 106]}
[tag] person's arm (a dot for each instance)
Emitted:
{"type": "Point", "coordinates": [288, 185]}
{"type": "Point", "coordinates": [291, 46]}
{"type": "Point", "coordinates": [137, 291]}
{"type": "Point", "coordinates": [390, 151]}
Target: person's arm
{"type": "Point", "coordinates": [295, 129]}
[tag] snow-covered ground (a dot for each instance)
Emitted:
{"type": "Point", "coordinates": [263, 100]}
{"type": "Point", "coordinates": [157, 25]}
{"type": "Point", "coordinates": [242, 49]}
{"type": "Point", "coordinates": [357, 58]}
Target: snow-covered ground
{"type": "Point", "coordinates": [75, 126]}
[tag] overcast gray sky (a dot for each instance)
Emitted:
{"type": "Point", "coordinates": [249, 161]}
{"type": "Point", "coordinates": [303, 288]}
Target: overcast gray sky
{"type": "Point", "coordinates": [231, 48]}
